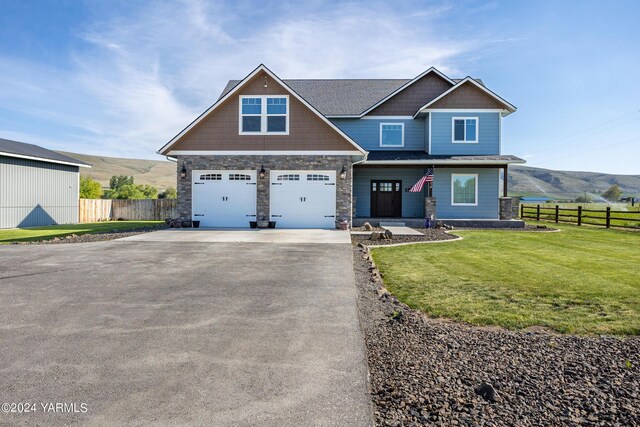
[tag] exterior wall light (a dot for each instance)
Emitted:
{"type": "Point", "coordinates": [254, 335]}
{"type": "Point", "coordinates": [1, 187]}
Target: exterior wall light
{"type": "Point", "coordinates": [262, 173]}
{"type": "Point", "coordinates": [183, 172]}
{"type": "Point", "coordinates": [343, 173]}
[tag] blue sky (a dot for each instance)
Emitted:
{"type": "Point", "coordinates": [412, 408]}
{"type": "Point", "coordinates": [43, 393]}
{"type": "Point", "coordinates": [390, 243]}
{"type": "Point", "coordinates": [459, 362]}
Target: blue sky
{"type": "Point", "coordinates": [120, 78]}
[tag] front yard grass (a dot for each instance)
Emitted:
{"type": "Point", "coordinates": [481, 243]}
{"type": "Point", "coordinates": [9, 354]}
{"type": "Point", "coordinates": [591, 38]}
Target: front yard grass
{"type": "Point", "coordinates": [579, 280]}
{"type": "Point", "coordinates": [49, 232]}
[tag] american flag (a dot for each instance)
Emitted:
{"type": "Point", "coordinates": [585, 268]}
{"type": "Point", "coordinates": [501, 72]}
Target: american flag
{"type": "Point", "coordinates": [417, 187]}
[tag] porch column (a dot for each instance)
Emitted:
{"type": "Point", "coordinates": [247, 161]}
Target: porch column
{"type": "Point", "coordinates": [505, 181]}
{"type": "Point", "coordinates": [430, 207]}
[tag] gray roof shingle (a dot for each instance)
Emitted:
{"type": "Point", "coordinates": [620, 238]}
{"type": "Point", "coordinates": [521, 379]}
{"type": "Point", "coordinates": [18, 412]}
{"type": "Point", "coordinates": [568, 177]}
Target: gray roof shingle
{"type": "Point", "coordinates": [9, 148]}
{"type": "Point", "coordinates": [340, 97]}
{"type": "Point", "coordinates": [391, 155]}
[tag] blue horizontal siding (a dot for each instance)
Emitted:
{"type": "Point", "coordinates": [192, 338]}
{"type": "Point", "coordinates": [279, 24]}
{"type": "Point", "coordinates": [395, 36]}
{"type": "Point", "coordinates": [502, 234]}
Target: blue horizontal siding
{"type": "Point", "coordinates": [412, 203]}
{"type": "Point", "coordinates": [488, 194]}
{"type": "Point", "coordinates": [367, 132]}
{"type": "Point", "coordinates": [489, 134]}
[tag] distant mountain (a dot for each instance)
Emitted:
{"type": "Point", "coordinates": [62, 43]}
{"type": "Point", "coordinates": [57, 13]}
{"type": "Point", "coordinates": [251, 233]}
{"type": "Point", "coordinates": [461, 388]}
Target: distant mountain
{"type": "Point", "coordinates": [529, 181]}
{"type": "Point", "coordinates": [159, 173]}
{"type": "Point", "coordinates": [523, 180]}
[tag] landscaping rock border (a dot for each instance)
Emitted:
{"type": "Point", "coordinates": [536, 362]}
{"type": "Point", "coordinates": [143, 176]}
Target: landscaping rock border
{"type": "Point", "coordinates": [430, 234]}
{"type": "Point", "coordinates": [95, 237]}
{"type": "Point", "coordinates": [443, 373]}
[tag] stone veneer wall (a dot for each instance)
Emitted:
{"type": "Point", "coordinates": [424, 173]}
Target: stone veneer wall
{"type": "Point", "coordinates": [245, 162]}
{"type": "Point", "coordinates": [506, 208]}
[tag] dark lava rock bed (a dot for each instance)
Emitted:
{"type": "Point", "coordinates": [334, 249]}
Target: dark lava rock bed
{"type": "Point", "coordinates": [433, 372]}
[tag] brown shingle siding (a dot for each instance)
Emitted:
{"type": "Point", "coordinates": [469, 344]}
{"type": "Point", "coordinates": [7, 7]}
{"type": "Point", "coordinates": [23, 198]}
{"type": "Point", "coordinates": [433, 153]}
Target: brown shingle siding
{"type": "Point", "coordinates": [468, 96]}
{"type": "Point", "coordinates": [220, 132]}
{"type": "Point", "coordinates": [408, 101]}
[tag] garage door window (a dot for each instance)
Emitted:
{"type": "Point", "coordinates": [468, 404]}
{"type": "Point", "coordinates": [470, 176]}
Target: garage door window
{"type": "Point", "coordinates": [211, 177]}
{"type": "Point", "coordinates": [288, 177]}
{"type": "Point", "coordinates": [317, 177]}
{"type": "Point", "coordinates": [239, 177]}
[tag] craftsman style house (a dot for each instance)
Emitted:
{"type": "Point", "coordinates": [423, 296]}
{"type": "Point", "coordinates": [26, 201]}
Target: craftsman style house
{"type": "Point", "coordinates": [308, 153]}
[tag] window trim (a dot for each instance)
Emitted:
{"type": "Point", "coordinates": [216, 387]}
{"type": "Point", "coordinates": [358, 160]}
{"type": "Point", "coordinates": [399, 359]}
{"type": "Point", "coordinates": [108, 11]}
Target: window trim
{"type": "Point", "coordinates": [263, 115]}
{"type": "Point", "coordinates": [453, 178]}
{"type": "Point", "coordinates": [453, 129]}
{"type": "Point", "coordinates": [395, 124]}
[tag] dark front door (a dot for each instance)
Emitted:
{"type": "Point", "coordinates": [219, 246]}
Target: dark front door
{"type": "Point", "coordinates": [386, 199]}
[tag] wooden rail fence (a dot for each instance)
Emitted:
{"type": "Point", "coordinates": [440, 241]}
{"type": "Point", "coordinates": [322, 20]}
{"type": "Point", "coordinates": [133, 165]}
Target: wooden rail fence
{"type": "Point", "coordinates": [580, 215]}
{"type": "Point", "coordinates": [92, 210]}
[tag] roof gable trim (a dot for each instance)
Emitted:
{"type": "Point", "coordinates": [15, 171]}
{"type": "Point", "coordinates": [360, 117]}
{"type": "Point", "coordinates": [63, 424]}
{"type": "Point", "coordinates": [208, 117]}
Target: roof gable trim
{"type": "Point", "coordinates": [235, 89]}
{"type": "Point", "coordinates": [406, 85]}
{"type": "Point", "coordinates": [510, 107]}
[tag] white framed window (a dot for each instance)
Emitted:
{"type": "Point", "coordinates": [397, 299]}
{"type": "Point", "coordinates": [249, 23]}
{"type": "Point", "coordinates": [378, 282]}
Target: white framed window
{"type": "Point", "coordinates": [391, 134]}
{"type": "Point", "coordinates": [264, 115]}
{"type": "Point", "coordinates": [464, 130]}
{"type": "Point", "coordinates": [464, 189]}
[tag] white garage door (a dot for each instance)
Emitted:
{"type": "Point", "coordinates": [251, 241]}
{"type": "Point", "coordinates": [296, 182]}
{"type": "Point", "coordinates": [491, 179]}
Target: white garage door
{"type": "Point", "coordinates": [224, 198]}
{"type": "Point", "coordinates": [303, 199]}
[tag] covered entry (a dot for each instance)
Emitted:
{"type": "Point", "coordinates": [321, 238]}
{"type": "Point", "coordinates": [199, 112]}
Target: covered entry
{"type": "Point", "coordinates": [386, 198]}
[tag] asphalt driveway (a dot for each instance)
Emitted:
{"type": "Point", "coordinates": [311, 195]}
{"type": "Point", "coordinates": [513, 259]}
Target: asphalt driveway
{"type": "Point", "coordinates": [182, 333]}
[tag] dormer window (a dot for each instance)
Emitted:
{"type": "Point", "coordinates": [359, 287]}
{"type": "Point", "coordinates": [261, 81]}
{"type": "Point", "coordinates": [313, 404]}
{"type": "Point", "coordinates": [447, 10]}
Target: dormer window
{"type": "Point", "coordinates": [465, 130]}
{"type": "Point", "coordinates": [264, 115]}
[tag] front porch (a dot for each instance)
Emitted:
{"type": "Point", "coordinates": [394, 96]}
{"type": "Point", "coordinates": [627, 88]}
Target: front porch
{"type": "Point", "coordinates": [381, 193]}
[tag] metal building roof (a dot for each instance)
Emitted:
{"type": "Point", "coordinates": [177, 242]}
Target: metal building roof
{"type": "Point", "coordinates": [23, 150]}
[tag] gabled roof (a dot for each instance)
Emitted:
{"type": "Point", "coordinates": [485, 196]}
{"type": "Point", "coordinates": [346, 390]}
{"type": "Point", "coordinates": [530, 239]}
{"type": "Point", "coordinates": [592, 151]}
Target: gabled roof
{"type": "Point", "coordinates": [406, 85]}
{"type": "Point", "coordinates": [21, 150]}
{"type": "Point", "coordinates": [509, 107]}
{"type": "Point", "coordinates": [340, 97]}
{"type": "Point", "coordinates": [237, 87]}
{"type": "Point", "coordinates": [343, 97]}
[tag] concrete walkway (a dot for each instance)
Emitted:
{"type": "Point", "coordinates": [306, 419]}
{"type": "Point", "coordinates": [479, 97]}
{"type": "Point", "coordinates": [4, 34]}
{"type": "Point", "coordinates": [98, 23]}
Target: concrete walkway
{"type": "Point", "coordinates": [403, 231]}
{"type": "Point", "coordinates": [182, 333]}
{"type": "Point", "coordinates": [396, 230]}
{"type": "Point", "coordinates": [203, 235]}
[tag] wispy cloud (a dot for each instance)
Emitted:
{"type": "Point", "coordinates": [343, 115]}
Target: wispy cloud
{"type": "Point", "coordinates": [140, 77]}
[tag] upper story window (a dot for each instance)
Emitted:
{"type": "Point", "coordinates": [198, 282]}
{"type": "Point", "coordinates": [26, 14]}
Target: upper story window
{"type": "Point", "coordinates": [391, 134]}
{"type": "Point", "coordinates": [464, 189]}
{"type": "Point", "coordinates": [264, 115]}
{"type": "Point", "coordinates": [465, 130]}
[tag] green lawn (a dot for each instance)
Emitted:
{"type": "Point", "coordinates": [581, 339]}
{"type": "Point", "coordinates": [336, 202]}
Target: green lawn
{"type": "Point", "coordinates": [46, 233]}
{"type": "Point", "coordinates": [579, 280]}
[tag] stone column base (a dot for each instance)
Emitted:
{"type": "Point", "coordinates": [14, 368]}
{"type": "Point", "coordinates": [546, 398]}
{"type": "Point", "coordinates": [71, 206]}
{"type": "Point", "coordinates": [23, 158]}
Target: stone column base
{"type": "Point", "coordinates": [506, 208]}
{"type": "Point", "coordinates": [430, 207]}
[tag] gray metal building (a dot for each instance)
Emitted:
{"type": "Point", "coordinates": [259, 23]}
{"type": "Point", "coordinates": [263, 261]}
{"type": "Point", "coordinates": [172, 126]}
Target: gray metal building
{"type": "Point", "coordinates": [37, 186]}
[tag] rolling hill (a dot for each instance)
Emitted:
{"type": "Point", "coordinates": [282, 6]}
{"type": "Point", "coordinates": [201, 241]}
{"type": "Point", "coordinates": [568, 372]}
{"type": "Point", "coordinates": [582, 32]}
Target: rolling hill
{"type": "Point", "coordinates": [523, 180]}
{"type": "Point", "coordinates": [530, 181]}
{"type": "Point", "coordinates": [159, 173]}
